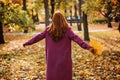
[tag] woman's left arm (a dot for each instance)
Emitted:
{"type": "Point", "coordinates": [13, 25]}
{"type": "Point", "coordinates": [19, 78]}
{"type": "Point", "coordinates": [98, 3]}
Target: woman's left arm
{"type": "Point", "coordinates": [78, 40]}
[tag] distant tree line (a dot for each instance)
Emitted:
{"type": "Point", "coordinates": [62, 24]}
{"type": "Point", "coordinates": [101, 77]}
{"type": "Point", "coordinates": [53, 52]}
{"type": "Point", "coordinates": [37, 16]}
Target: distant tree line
{"type": "Point", "coordinates": [24, 13]}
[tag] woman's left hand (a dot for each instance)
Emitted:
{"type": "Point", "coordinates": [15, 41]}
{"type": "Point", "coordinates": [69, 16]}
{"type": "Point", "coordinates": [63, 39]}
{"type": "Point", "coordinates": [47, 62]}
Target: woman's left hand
{"type": "Point", "coordinates": [92, 50]}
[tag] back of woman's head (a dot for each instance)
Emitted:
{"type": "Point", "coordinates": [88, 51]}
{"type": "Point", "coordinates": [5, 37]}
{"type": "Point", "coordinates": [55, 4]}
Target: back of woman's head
{"type": "Point", "coordinates": [58, 27]}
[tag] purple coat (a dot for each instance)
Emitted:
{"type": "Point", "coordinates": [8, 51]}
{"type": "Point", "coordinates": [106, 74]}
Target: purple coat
{"type": "Point", "coordinates": [58, 54]}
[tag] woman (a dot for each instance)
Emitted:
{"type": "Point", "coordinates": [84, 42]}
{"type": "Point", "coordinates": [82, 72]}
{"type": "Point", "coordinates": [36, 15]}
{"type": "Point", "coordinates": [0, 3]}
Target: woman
{"type": "Point", "coordinates": [58, 37]}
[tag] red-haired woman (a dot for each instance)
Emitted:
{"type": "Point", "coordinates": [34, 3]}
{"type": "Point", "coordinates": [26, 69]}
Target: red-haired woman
{"type": "Point", "coordinates": [58, 36]}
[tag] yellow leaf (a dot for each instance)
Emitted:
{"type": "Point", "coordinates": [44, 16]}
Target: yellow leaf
{"type": "Point", "coordinates": [115, 61]}
{"type": "Point", "coordinates": [97, 47]}
{"type": "Point", "coordinates": [87, 72]}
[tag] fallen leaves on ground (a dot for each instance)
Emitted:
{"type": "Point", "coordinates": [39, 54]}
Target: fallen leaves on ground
{"type": "Point", "coordinates": [28, 63]}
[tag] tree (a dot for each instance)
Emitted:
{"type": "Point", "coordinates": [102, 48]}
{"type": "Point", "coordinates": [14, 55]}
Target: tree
{"type": "Point", "coordinates": [46, 12]}
{"type": "Point", "coordinates": [85, 26]}
{"type": "Point", "coordinates": [116, 11]}
{"type": "Point", "coordinates": [24, 5]}
{"type": "Point", "coordinates": [60, 4]}
{"type": "Point", "coordinates": [119, 27]}
{"type": "Point", "coordinates": [71, 15]}
{"type": "Point", "coordinates": [104, 7]}
{"type": "Point", "coordinates": [77, 10]}
{"type": "Point", "coordinates": [33, 7]}
{"type": "Point", "coordinates": [80, 11]}
{"type": "Point", "coordinates": [1, 24]}
{"type": "Point", "coordinates": [25, 9]}
{"type": "Point", "coordinates": [11, 14]}
{"type": "Point", "coordinates": [52, 6]}
{"type": "Point", "coordinates": [76, 17]}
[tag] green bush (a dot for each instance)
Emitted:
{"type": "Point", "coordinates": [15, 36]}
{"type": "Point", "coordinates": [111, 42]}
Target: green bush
{"type": "Point", "coordinates": [18, 19]}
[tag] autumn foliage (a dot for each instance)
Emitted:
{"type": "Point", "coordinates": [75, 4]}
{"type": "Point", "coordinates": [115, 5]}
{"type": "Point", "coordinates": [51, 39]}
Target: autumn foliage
{"type": "Point", "coordinates": [114, 1]}
{"type": "Point", "coordinates": [97, 47]}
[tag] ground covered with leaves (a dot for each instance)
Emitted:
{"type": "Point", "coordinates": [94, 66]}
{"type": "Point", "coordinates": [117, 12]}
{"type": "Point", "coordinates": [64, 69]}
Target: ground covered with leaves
{"type": "Point", "coordinates": [28, 63]}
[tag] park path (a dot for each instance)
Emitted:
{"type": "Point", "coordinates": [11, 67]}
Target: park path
{"type": "Point", "coordinates": [40, 27]}
{"type": "Point", "coordinates": [34, 33]}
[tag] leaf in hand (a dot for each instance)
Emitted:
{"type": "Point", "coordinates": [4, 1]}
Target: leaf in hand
{"type": "Point", "coordinates": [98, 48]}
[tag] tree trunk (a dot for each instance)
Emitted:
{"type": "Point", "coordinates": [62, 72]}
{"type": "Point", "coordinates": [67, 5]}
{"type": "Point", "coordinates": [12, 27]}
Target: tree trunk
{"type": "Point", "coordinates": [76, 17]}
{"type": "Point", "coordinates": [35, 17]}
{"type": "Point", "coordinates": [1, 34]}
{"type": "Point", "coordinates": [65, 12]}
{"type": "Point", "coordinates": [71, 16]}
{"type": "Point", "coordinates": [109, 22]}
{"type": "Point", "coordinates": [1, 24]}
{"type": "Point", "coordinates": [25, 9]}
{"type": "Point", "coordinates": [119, 23]}
{"type": "Point", "coordinates": [109, 11]}
{"type": "Point", "coordinates": [119, 27]}
{"type": "Point", "coordinates": [79, 27]}
{"type": "Point", "coordinates": [46, 13]}
{"type": "Point", "coordinates": [85, 26]}
{"type": "Point", "coordinates": [52, 6]}
{"type": "Point", "coordinates": [25, 29]}
{"type": "Point", "coordinates": [24, 5]}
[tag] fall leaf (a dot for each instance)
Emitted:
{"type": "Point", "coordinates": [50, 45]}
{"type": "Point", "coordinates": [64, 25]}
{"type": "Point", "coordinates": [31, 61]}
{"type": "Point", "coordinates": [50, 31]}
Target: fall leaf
{"type": "Point", "coordinates": [86, 72]}
{"type": "Point", "coordinates": [0, 59]}
{"type": "Point", "coordinates": [97, 47]}
{"type": "Point", "coordinates": [114, 1]}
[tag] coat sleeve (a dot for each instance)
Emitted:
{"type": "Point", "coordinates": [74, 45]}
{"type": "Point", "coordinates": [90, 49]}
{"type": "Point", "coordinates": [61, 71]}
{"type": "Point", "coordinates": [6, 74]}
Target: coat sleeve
{"type": "Point", "coordinates": [37, 38]}
{"type": "Point", "coordinates": [78, 40]}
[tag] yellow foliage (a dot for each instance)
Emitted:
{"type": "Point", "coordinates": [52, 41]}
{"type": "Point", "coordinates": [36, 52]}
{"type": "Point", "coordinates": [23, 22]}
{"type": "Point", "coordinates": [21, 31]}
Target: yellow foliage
{"type": "Point", "coordinates": [5, 1]}
{"type": "Point", "coordinates": [114, 1]}
{"type": "Point", "coordinates": [97, 47]}
{"type": "Point", "coordinates": [12, 1]}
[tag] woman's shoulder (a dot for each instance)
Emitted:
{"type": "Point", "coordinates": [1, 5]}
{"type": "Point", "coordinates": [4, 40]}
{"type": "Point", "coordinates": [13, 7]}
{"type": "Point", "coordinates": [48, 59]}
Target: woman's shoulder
{"type": "Point", "coordinates": [69, 28]}
{"type": "Point", "coordinates": [68, 31]}
{"type": "Point", "coordinates": [46, 28]}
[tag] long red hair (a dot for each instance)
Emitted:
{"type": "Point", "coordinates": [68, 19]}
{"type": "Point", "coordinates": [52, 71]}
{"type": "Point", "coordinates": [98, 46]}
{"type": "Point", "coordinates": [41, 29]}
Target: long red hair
{"type": "Point", "coordinates": [58, 26]}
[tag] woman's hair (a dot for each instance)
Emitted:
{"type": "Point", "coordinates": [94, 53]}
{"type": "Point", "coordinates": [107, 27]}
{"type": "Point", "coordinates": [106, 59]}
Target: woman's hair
{"type": "Point", "coordinates": [58, 27]}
